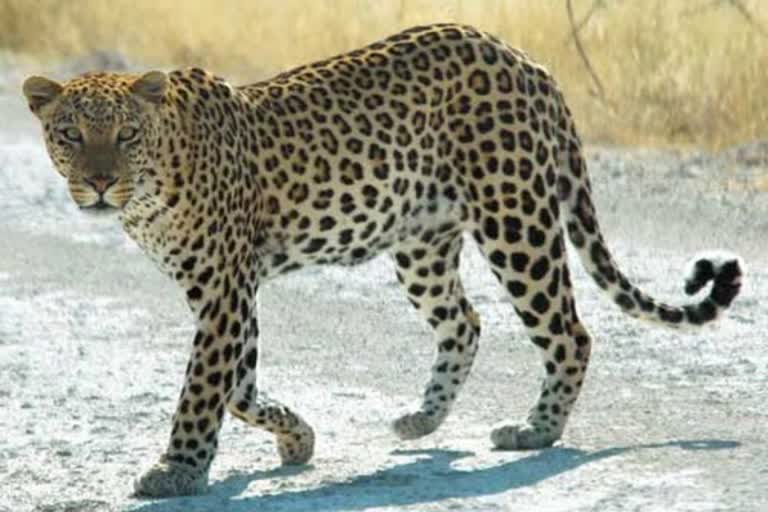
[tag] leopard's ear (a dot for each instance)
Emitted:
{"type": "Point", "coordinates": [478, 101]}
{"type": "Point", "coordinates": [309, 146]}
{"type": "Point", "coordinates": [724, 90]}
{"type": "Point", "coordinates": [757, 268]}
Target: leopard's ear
{"type": "Point", "coordinates": [40, 91]}
{"type": "Point", "coordinates": [151, 86]}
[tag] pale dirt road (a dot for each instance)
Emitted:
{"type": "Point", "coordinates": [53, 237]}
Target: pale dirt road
{"type": "Point", "coordinates": [93, 343]}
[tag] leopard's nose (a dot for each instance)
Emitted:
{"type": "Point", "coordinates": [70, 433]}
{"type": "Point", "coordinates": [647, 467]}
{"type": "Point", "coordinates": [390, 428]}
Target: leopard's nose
{"type": "Point", "coordinates": [100, 183]}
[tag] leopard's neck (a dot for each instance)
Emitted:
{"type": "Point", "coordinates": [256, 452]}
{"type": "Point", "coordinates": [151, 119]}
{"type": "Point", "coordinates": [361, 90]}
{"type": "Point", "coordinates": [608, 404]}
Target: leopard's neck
{"type": "Point", "coordinates": [199, 189]}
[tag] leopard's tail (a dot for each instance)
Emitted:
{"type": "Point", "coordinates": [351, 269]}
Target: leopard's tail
{"type": "Point", "coordinates": [724, 270]}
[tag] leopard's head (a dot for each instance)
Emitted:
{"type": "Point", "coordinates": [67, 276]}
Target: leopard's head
{"type": "Point", "coordinates": [100, 130]}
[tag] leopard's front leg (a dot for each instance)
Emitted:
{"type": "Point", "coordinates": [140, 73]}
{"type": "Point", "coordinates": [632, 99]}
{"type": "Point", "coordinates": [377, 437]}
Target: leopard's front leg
{"type": "Point", "coordinates": [295, 437]}
{"type": "Point", "coordinates": [210, 375]}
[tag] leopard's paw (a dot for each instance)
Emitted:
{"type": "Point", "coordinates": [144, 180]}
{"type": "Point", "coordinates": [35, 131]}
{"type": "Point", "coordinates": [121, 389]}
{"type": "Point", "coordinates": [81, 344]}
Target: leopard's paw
{"type": "Point", "coordinates": [167, 478]}
{"type": "Point", "coordinates": [415, 425]}
{"type": "Point", "coordinates": [298, 446]}
{"type": "Point", "coordinates": [522, 437]}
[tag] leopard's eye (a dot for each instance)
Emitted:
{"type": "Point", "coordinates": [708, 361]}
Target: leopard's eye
{"type": "Point", "coordinates": [127, 133]}
{"type": "Point", "coordinates": [72, 134]}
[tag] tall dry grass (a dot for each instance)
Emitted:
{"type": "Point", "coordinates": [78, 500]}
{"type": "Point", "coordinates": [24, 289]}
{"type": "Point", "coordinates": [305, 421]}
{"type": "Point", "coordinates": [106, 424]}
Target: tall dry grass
{"type": "Point", "coordinates": [671, 78]}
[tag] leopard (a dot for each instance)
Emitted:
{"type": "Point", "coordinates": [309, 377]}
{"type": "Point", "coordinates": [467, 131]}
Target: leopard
{"type": "Point", "coordinates": [406, 147]}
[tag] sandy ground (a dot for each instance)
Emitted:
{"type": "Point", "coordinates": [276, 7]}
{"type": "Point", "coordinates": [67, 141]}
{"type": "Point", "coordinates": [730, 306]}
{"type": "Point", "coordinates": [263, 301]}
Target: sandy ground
{"type": "Point", "coordinates": [93, 343]}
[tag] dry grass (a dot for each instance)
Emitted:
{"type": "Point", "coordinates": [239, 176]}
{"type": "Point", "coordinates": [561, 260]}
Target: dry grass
{"type": "Point", "coordinates": [671, 78]}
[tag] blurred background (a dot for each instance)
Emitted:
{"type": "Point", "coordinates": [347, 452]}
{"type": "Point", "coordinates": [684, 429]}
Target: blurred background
{"type": "Point", "coordinates": [666, 72]}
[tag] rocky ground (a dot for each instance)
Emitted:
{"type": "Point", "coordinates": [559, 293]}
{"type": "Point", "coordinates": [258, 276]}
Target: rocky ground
{"type": "Point", "coordinates": [93, 343]}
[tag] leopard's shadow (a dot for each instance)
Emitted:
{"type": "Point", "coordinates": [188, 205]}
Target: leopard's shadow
{"type": "Point", "coordinates": [427, 479]}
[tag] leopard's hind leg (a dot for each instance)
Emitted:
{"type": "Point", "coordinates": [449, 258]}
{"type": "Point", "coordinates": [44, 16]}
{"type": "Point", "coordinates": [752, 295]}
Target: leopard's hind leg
{"type": "Point", "coordinates": [428, 272]}
{"type": "Point", "coordinates": [530, 262]}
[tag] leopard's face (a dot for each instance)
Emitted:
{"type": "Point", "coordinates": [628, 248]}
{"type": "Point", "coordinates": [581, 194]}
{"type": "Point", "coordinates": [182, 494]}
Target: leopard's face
{"type": "Point", "coordinates": [100, 131]}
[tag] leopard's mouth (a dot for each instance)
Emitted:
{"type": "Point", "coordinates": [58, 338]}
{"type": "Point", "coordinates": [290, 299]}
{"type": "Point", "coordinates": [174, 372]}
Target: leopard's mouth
{"type": "Point", "coordinates": [93, 202]}
{"type": "Point", "coordinates": [99, 207]}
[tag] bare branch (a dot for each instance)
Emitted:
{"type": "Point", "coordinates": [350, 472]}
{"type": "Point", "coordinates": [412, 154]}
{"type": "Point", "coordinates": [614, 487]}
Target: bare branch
{"type": "Point", "coordinates": [596, 4]}
{"type": "Point", "coordinates": [582, 53]}
{"type": "Point", "coordinates": [739, 6]}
